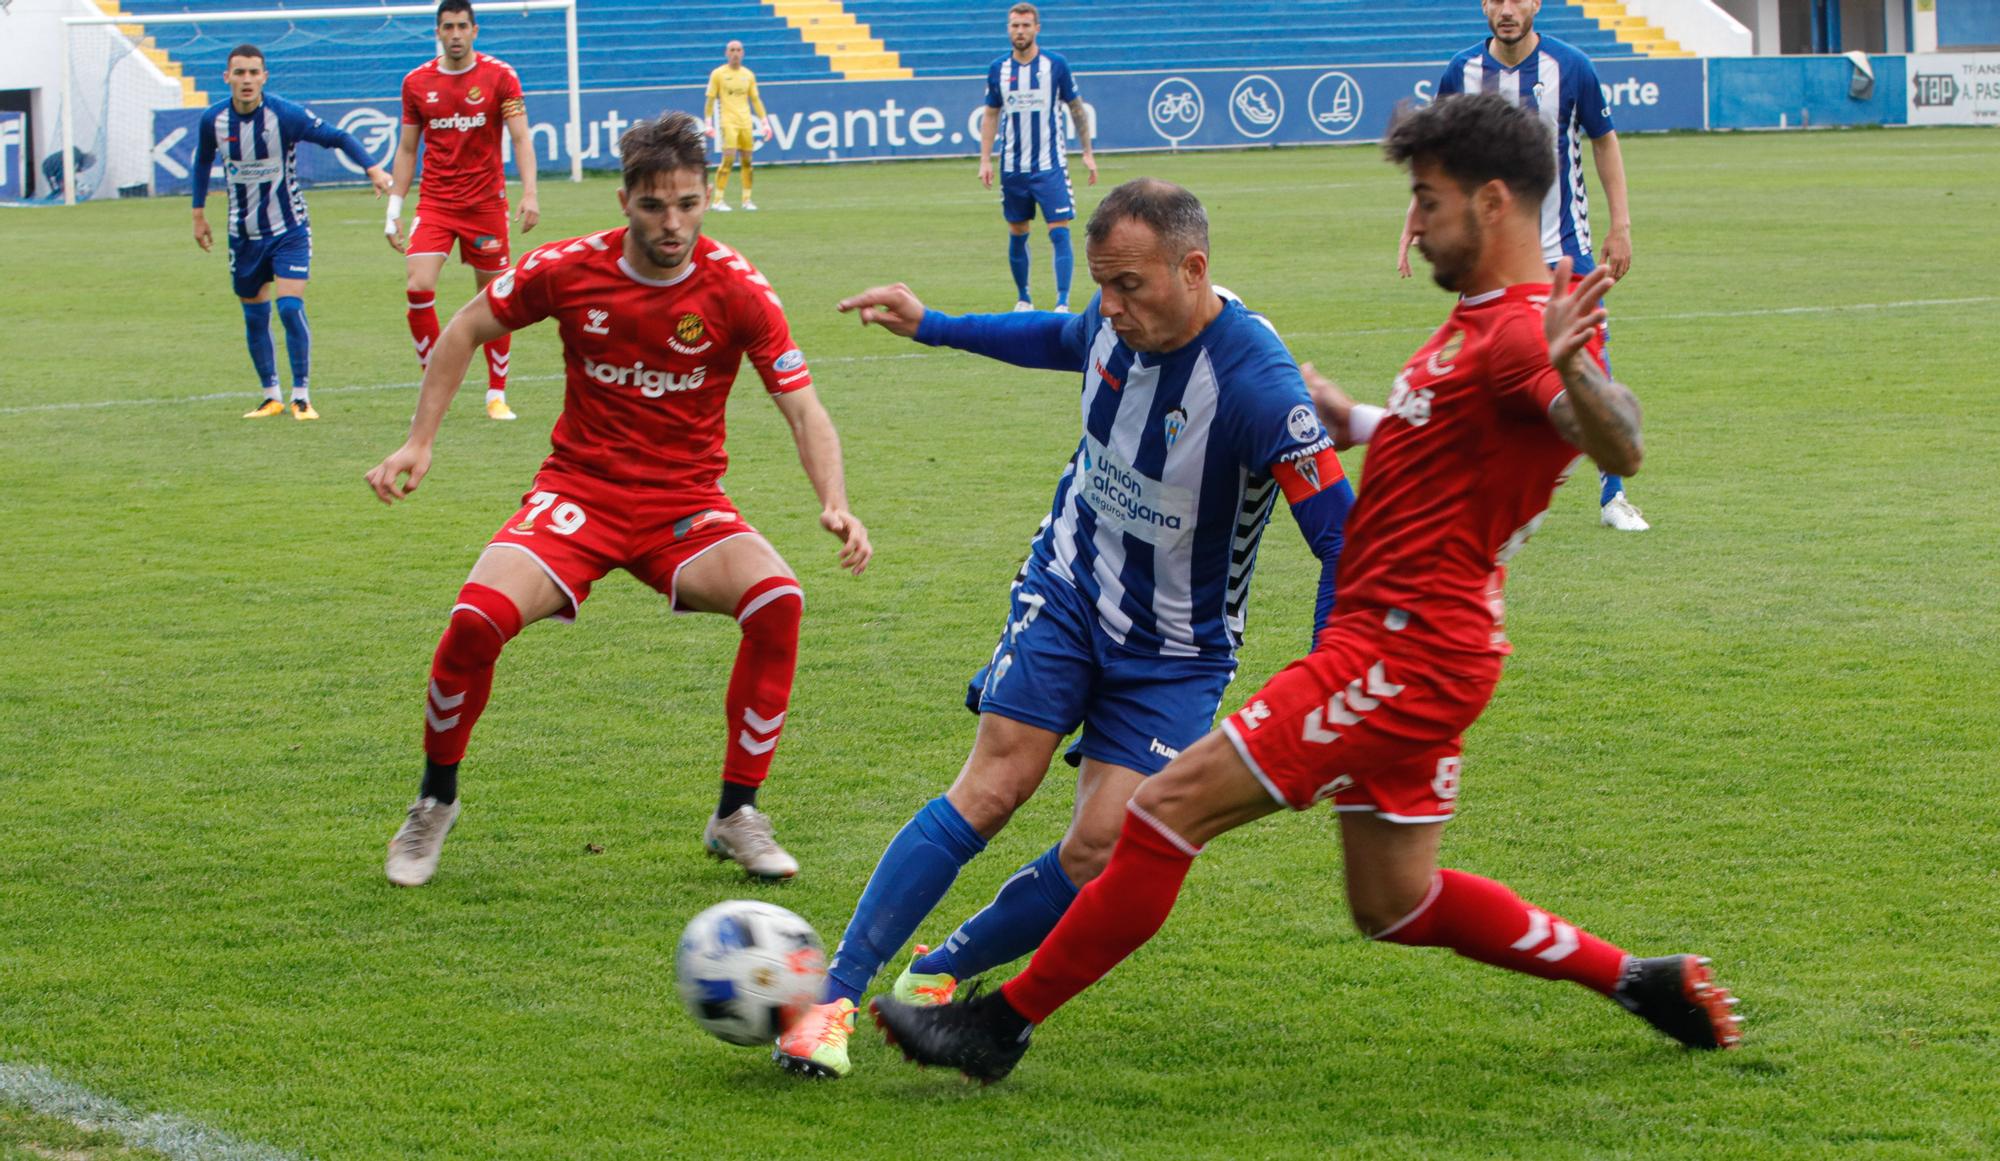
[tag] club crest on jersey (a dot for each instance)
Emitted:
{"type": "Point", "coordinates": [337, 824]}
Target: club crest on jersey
{"type": "Point", "coordinates": [1303, 424]}
{"type": "Point", "coordinates": [599, 322]}
{"type": "Point", "coordinates": [1175, 423]}
{"type": "Point", "coordinates": [1308, 469]}
{"type": "Point", "coordinates": [690, 335]}
{"type": "Point", "coordinates": [1440, 360]}
{"type": "Point", "coordinates": [474, 95]}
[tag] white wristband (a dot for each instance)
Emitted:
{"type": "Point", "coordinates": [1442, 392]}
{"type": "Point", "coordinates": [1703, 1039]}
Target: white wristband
{"type": "Point", "coordinates": [395, 213]}
{"type": "Point", "coordinates": [1361, 422]}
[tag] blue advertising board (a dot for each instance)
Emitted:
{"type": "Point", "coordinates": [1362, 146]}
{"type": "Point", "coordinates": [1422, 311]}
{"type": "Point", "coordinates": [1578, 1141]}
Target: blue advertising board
{"type": "Point", "coordinates": [14, 157]}
{"type": "Point", "coordinates": [932, 117]}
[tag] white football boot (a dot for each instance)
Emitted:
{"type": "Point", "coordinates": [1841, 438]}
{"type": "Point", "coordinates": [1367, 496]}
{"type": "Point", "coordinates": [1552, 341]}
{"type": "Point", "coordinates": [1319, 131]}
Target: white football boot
{"type": "Point", "coordinates": [414, 852]}
{"type": "Point", "coordinates": [746, 837]}
{"type": "Point", "coordinates": [1622, 515]}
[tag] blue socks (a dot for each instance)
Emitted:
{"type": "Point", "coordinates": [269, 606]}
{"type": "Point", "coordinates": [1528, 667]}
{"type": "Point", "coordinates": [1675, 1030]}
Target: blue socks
{"type": "Point", "coordinates": [1611, 487]}
{"type": "Point", "coordinates": [1017, 261]}
{"type": "Point", "coordinates": [257, 333]}
{"type": "Point", "coordinates": [298, 342]}
{"type": "Point", "coordinates": [1015, 923]}
{"type": "Point", "coordinates": [914, 873]}
{"type": "Point", "coordinates": [1065, 262]}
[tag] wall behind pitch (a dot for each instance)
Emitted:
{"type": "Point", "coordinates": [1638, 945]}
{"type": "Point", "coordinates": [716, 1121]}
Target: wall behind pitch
{"type": "Point", "coordinates": [928, 117]}
{"type": "Point", "coordinates": [1793, 91]}
{"type": "Point", "coordinates": [15, 156]}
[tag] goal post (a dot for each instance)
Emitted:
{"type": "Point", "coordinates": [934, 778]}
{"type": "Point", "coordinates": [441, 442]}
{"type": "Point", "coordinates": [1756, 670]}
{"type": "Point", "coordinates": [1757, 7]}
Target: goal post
{"type": "Point", "coordinates": [123, 49]}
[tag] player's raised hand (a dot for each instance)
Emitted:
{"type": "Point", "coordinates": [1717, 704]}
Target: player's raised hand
{"type": "Point", "coordinates": [530, 213]}
{"type": "Point", "coordinates": [1332, 403]}
{"type": "Point", "coordinates": [986, 172]}
{"type": "Point", "coordinates": [855, 551]}
{"type": "Point", "coordinates": [1574, 312]}
{"type": "Point", "coordinates": [893, 308]}
{"type": "Point", "coordinates": [203, 236]}
{"type": "Point", "coordinates": [409, 460]}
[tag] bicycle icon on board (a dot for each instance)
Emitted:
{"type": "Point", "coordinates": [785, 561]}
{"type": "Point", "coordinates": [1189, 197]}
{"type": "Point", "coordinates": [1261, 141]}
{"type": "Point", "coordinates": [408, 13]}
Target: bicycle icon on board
{"type": "Point", "coordinates": [1175, 109]}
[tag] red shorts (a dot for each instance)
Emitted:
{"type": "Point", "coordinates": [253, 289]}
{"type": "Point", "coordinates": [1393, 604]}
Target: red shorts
{"type": "Point", "coordinates": [578, 528]}
{"type": "Point", "coordinates": [1369, 719]}
{"type": "Point", "coordinates": [481, 235]}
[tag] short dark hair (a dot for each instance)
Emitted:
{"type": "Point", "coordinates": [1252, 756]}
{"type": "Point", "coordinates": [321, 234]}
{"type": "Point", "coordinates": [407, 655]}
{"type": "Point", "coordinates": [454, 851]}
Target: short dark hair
{"type": "Point", "coordinates": [1172, 212]}
{"type": "Point", "coordinates": [1476, 138]}
{"type": "Point", "coordinates": [464, 6]}
{"type": "Point", "coordinates": [1028, 8]}
{"type": "Point", "coordinates": [669, 142]}
{"type": "Point", "coordinates": [249, 50]}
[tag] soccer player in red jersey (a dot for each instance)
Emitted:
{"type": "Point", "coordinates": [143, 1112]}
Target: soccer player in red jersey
{"type": "Point", "coordinates": [456, 105]}
{"type": "Point", "coordinates": [1483, 423]}
{"type": "Point", "coordinates": [655, 321]}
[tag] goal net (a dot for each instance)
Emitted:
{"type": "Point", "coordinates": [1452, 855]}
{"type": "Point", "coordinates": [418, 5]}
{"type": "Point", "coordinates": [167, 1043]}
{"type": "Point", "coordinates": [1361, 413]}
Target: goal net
{"type": "Point", "coordinates": [120, 72]}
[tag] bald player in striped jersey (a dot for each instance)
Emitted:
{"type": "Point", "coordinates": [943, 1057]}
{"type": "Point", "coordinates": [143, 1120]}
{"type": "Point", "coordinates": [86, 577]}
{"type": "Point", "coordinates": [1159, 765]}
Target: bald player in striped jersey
{"type": "Point", "coordinates": [1559, 83]}
{"type": "Point", "coordinates": [256, 139]}
{"type": "Point", "coordinates": [1126, 619]}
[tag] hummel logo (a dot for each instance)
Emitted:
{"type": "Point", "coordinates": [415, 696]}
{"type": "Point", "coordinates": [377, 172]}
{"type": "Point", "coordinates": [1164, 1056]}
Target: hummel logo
{"type": "Point", "coordinates": [430, 96]}
{"type": "Point", "coordinates": [597, 320]}
{"type": "Point", "coordinates": [1116, 385]}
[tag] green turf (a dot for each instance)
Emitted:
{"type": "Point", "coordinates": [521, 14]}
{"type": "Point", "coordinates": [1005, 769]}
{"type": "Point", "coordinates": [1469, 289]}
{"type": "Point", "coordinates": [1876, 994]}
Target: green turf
{"type": "Point", "coordinates": [1764, 730]}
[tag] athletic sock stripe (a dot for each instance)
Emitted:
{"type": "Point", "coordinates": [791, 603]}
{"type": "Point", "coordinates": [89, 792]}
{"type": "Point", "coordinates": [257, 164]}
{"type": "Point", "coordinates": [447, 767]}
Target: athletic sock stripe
{"type": "Point", "coordinates": [1430, 897]}
{"type": "Point", "coordinates": [482, 616]}
{"type": "Point", "coordinates": [767, 597]}
{"type": "Point", "coordinates": [1166, 832]}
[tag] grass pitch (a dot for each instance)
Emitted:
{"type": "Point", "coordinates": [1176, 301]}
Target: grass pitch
{"type": "Point", "coordinates": [1763, 730]}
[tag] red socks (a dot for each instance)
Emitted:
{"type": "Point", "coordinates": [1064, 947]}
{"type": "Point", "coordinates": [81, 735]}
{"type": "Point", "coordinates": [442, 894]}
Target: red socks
{"type": "Point", "coordinates": [482, 622]}
{"type": "Point", "coordinates": [423, 324]}
{"type": "Point", "coordinates": [1113, 915]}
{"type": "Point", "coordinates": [497, 353]}
{"type": "Point", "coordinates": [760, 686]}
{"type": "Point", "coordinates": [1483, 920]}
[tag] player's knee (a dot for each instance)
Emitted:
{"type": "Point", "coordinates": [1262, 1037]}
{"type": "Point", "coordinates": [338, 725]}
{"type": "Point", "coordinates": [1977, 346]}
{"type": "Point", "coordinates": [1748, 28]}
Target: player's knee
{"type": "Point", "coordinates": [1382, 908]}
{"type": "Point", "coordinates": [986, 802]}
{"type": "Point", "coordinates": [1084, 853]}
{"type": "Point", "coordinates": [419, 286]}
{"type": "Point", "coordinates": [483, 620]}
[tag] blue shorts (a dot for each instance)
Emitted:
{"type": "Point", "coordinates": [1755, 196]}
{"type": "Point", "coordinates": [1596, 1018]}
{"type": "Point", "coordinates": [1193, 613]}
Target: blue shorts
{"type": "Point", "coordinates": [1020, 193]}
{"type": "Point", "coordinates": [1055, 668]}
{"type": "Point", "coordinates": [255, 261]}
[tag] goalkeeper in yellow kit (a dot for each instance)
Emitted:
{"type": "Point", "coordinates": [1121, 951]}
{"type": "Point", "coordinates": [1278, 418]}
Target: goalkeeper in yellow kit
{"type": "Point", "coordinates": [732, 93]}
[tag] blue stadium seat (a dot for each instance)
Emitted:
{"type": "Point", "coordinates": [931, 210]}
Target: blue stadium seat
{"type": "Point", "coordinates": [620, 43]}
{"type": "Point", "coordinates": [626, 43]}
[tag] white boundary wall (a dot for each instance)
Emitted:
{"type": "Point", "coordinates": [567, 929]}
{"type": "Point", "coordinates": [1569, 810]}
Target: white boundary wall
{"type": "Point", "coordinates": [1699, 25]}
{"type": "Point", "coordinates": [32, 57]}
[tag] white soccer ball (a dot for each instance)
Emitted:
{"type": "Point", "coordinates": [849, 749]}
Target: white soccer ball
{"type": "Point", "coordinates": [747, 969]}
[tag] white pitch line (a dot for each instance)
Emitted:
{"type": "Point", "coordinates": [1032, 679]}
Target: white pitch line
{"type": "Point", "coordinates": [1618, 320]}
{"type": "Point", "coordinates": [178, 1138]}
{"type": "Point", "coordinates": [355, 389]}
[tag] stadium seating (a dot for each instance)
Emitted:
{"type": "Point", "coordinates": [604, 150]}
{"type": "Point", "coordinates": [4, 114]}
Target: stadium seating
{"type": "Point", "coordinates": [939, 38]}
{"type": "Point", "coordinates": [625, 43]}
{"type": "Point", "coordinates": [620, 43]}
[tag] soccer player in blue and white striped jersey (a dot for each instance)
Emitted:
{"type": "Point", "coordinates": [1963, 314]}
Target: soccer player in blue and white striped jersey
{"type": "Point", "coordinates": [1023, 91]}
{"type": "Point", "coordinates": [256, 139]}
{"type": "Point", "coordinates": [1559, 83]}
{"type": "Point", "coordinates": [1126, 619]}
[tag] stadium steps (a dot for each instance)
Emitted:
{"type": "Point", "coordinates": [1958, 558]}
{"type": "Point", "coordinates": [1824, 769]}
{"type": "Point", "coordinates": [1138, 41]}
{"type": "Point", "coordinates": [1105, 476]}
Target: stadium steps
{"type": "Point", "coordinates": [846, 43]}
{"type": "Point", "coordinates": [1645, 37]}
{"type": "Point", "coordinates": [620, 43]}
{"type": "Point", "coordinates": [191, 96]}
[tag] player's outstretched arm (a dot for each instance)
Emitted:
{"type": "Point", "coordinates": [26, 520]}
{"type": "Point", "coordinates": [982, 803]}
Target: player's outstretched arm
{"type": "Point", "coordinates": [473, 326]}
{"type": "Point", "coordinates": [1597, 415]}
{"type": "Point", "coordinates": [1348, 422]}
{"type": "Point", "coordinates": [895, 309]}
{"type": "Point", "coordinates": [819, 454]}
